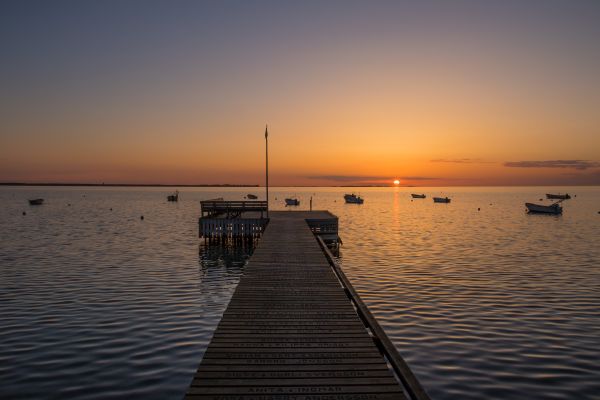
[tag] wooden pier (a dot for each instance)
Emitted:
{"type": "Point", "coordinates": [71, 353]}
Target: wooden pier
{"type": "Point", "coordinates": [296, 329]}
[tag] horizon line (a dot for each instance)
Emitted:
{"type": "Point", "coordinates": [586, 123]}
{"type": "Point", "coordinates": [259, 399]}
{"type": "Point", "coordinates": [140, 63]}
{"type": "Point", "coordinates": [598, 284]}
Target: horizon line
{"type": "Point", "coordinates": [221, 185]}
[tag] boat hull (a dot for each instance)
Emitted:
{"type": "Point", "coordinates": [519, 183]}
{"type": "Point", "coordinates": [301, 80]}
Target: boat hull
{"type": "Point", "coordinates": [558, 196]}
{"type": "Point", "coordinates": [418, 196]}
{"type": "Point", "coordinates": [292, 202]}
{"type": "Point", "coordinates": [353, 199]}
{"type": "Point", "coordinates": [441, 200]}
{"type": "Point", "coordinates": [36, 202]}
{"type": "Point", "coordinates": [540, 209]}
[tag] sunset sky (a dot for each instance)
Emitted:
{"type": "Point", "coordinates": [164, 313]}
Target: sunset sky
{"type": "Point", "coordinates": [430, 93]}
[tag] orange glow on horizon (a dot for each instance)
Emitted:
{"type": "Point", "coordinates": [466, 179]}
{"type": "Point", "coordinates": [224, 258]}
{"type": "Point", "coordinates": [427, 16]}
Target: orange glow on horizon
{"type": "Point", "coordinates": [347, 101]}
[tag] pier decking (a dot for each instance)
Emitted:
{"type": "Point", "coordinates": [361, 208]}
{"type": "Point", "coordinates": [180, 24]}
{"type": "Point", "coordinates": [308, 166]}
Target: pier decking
{"type": "Point", "coordinates": [290, 330]}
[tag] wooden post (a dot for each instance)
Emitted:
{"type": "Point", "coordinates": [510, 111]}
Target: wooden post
{"type": "Point", "coordinates": [267, 165]}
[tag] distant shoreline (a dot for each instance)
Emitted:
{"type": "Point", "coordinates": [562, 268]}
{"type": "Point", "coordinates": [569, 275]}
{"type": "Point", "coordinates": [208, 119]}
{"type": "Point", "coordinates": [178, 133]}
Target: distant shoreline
{"type": "Point", "coordinates": [226, 185]}
{"type": "Point", "coordinates": [122, 184]}
{"type": "Point", "coordinates": [171, 185]}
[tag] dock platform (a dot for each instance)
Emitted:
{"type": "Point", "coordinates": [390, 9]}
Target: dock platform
{"type": "Point", "coordinates": [291, 330]}
{"type": "Point", "coordinates": [233, 220]}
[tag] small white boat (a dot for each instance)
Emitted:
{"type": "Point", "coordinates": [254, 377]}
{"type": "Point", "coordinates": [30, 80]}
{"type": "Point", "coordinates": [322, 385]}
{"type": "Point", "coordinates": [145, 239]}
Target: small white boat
{"type": "Point", "coordinates": [353, 199]}
{"type": "Point", "coordinates": [441, 200]}
{"type": "Point", "coordinates": [292, 202]}
{"type": "Point", "coordinates": [36, 202]}
{"type": "Point", "coordinates": [418, 196]}
{"type": "Point", "coordinates": [558, 196]}
{"type": "Point", "coordinates": [252, 196]}
{"type": "Point", "coordinates": [555, 208]}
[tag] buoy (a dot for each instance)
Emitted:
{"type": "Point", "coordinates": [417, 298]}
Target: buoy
{"type": "Point", "coordinates": [69, 205]}
{"type": "Point", "coordinates": [478, 209]}
{"type": "Point", "coordinates": [541, 199]}
{"type": "Point", "coordinates": [142, 217]}
{"type": "Point", "coordinates": [111, 209]}
{"type": "Point", "coordinates": [24, 213]}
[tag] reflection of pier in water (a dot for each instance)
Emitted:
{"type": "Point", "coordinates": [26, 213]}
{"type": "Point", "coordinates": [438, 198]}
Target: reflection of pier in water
{"type": "Point", "coordinates": [220, 268]}
{"type": "Point", "coordinates": [295, 328]}
{"type": "Point", "coordinates": [224, 258]}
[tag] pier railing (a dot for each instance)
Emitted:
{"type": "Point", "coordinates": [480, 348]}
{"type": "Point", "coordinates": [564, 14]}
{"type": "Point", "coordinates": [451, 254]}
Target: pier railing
{"type": "Point", "coordinates": [231, 208]}
{"type": "Point", "coordinates": [385, 345]}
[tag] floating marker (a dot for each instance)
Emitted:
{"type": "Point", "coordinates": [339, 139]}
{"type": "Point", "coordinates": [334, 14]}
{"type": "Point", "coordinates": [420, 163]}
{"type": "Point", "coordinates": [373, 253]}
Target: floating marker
{"type": "Point", "coordinates": [24, 213]}
{"type": "Point", "coordinates": [142, 217]}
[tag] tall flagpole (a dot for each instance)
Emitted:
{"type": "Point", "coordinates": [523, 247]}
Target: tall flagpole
{"type": "Point", "coordinates": [267, 165]}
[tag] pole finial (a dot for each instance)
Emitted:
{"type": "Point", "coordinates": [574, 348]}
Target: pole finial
{"type": "Point", "coordinates": [266, 131]}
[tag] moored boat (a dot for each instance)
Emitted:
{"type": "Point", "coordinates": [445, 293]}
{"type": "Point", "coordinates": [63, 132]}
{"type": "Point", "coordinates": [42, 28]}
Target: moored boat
{"type": "Point", "coordinates": [252, 196]}
{"type": "Point", "coordinates": [36, 202]}
{"type": "Point", "coordinates": [441, 200]}
{"type": "Point", "coordinates": [353, 199]}
{"type": "Point", "coordinates": [558, 196]}
{"type": "Point", "coordinates": [292, 202]}
{"type": "Point", "coordinates": [174, 196]}
{"type": "Point", "coordinates": [555, 208]}
{"type": "Point", "coordinates": [418, 196]}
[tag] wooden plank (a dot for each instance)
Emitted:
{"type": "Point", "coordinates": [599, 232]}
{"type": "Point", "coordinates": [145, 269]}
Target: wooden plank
{"type": "Point", "coordinates": [292, 361]}
{"type": "Point", "coordinates": [291, 330]}
{"type": "Point", "coordinates": [312, 396]}
{"type": "Point", "coordinates": [282, 339]}
{"type": "Point", "coordinates": [381, 373]}
{"type": "Point", "coordinates": [276, 344]}
{"type": "Point", "coordinates": [304, 389]}
{"type": "Point", "coordinates": [284, 381]}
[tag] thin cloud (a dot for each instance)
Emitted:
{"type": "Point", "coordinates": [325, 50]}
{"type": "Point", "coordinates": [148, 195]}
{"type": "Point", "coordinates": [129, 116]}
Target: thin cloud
{"type": "Point", "coordinates": [575, 164]}
{"type": "Point", "coordinates": [349, 178]}
{"type": "Point", "coordinates": [459, 160]}
{"type": "Point", "coordinates": [419, 178]}
{"type": "Point", "coordinates": [362, 178]}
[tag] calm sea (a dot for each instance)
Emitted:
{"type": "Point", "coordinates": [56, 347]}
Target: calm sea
{"type": "Point", "coordinates": [96, 303]}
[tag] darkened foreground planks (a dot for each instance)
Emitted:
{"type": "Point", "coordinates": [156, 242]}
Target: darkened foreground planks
{"type": "Point", "coordinates": [290, 331]}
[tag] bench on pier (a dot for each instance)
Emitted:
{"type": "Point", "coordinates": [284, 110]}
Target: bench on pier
{"type": "Point", "coordinates": [232, 209]}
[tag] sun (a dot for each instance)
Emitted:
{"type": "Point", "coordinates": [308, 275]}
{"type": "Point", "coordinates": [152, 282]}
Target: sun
{"type": "Point", "coordinates": [396, 182]}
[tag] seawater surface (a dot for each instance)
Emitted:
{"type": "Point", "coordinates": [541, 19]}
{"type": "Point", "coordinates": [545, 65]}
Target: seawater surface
{"type": "Point", "coordinates": [97, 303]}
